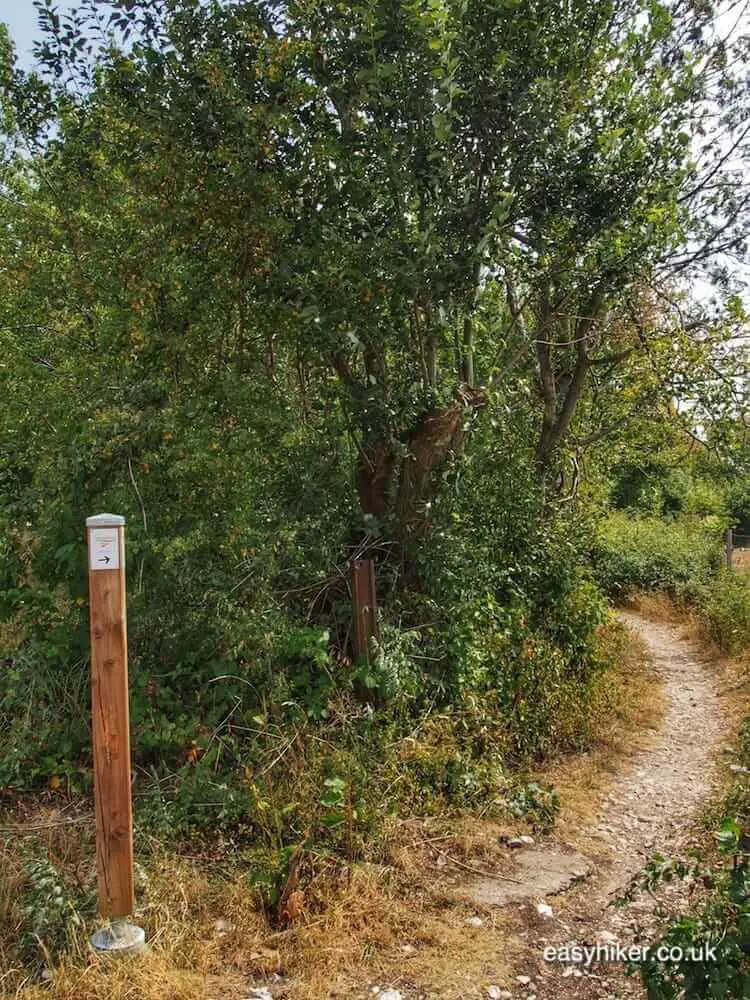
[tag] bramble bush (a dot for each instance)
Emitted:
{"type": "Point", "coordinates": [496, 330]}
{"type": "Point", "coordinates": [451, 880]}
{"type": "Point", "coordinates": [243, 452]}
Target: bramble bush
{"type": "Point", "coordinates": [243, 699]}
{"type": "Point", "coordinates": [722, 922]}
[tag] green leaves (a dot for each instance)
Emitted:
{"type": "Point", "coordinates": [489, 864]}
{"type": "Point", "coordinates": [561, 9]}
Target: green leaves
{"type": "Point", "coordinates": [728, 836]}
{"type": "Point", "coordinates": [703, 954]}
{"type": "Point", "coordinates": [253, 282]}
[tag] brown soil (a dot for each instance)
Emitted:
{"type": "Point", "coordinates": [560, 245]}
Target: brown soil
{"type": "Point", "coordinates": [651, 809]}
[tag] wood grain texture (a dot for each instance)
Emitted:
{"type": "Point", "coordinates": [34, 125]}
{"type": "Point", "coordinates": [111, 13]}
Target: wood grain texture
{"type": "Point", "coordinates": [111, 738]}
{"type": "Point", "coordinates": [365, 608]}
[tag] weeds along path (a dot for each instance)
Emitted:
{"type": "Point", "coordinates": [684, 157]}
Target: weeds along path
{"type": "Point", "coordinates": [649, 810]}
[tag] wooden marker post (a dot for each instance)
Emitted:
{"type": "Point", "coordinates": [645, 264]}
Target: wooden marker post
{"type": "Point", "coordinates": [730, 548]}
{"type": "Point", "coordinates": [110, 716]}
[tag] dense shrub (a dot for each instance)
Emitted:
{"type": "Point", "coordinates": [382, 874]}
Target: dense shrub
{"type": "Point", "coordinates": [723, 606]}
{"type": "Point", "coordinates": [244, 703]}
{"type": "Point", "coordinates": [635, 552]}
{"type": "Point", "coordinates": [682, 557]}
{"type": "Point", "coordinates": [657, 488]}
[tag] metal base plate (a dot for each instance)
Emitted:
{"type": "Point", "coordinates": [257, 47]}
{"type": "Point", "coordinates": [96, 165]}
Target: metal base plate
{"type": "Point", "coordinates": [119, 939]}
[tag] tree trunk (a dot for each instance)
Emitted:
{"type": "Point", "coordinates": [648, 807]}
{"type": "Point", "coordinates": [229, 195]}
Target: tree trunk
{"type": "Point", "coordinates": [429, 445]}
{"type": "Point", "coordinates": [560, 397]}
{"type": "Point", "coordinates": [375, 472]}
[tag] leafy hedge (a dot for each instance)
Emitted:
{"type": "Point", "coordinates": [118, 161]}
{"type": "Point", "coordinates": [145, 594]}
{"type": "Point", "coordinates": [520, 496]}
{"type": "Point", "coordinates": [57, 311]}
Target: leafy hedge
{"type": "Point", "coordinates": [641, 552]}
{"type": "Point", "coordinates": [682, 557]}
{"type": "Point", "coordinates": [723, 606]}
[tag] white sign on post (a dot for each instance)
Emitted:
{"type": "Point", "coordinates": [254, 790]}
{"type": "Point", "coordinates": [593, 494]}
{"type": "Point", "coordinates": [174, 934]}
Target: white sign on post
{"type": "Point", "coordinates": [104, 550]}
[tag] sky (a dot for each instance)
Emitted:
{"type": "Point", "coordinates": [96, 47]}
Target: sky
{"type": "Point", "coordinates": [20, 16]}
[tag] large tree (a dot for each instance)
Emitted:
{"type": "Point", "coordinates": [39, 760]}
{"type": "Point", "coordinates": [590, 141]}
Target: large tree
{"type": "Point", "coordinates": [355, 182]}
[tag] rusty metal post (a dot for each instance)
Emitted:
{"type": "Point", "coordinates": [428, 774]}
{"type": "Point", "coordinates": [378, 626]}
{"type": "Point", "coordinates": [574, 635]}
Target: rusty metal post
{"type": "Point", "coordinates": [364, 608]}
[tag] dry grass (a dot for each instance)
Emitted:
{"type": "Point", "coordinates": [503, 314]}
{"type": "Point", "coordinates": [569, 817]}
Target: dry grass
{"type": "Point", "coordinates": [397, 923]}
{"type": "Point", "coordinates": [11, 636]}
{"type": "Point", "coordinates": [741, 560]}
{"type": "Point", "coordinates": [209, 939]}
{"type": "Point", "coordinates": [657, 608]}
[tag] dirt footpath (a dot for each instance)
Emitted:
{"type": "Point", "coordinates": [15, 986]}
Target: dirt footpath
{"type": "Point", "coordinates": [650, 810]}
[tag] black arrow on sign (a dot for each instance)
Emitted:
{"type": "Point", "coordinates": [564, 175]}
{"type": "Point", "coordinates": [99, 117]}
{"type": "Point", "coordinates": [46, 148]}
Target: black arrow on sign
{"type": "Point", "coordinates": [103, 559]}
